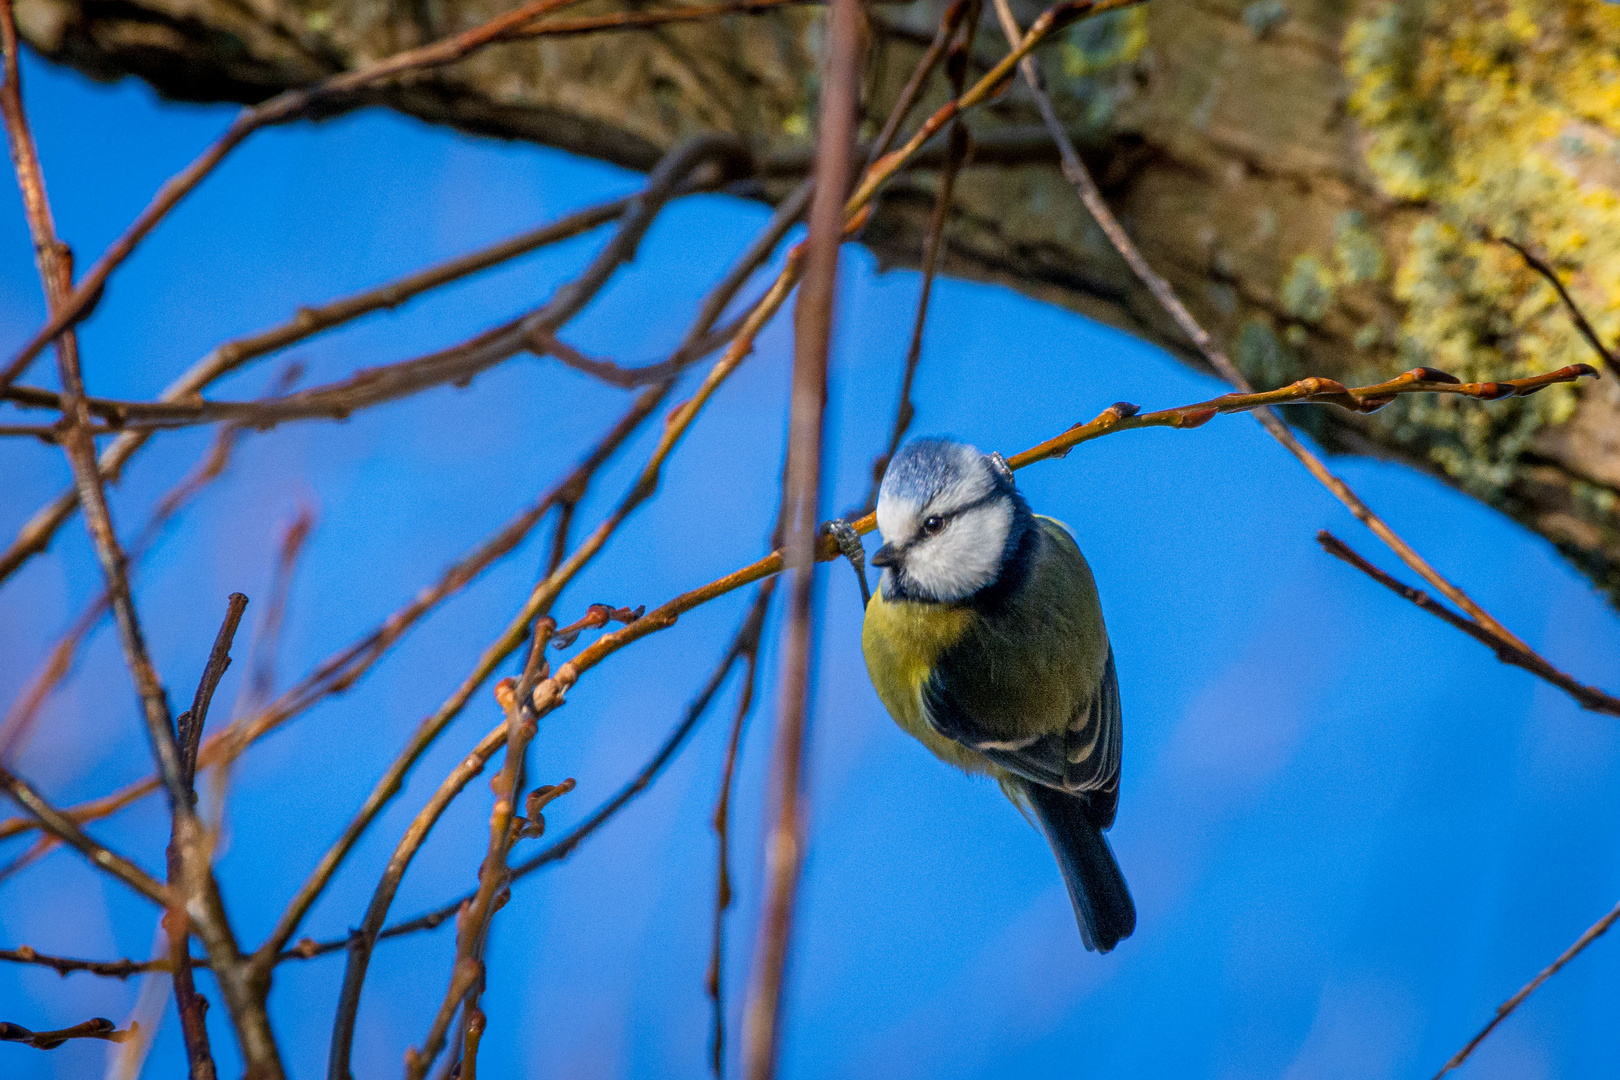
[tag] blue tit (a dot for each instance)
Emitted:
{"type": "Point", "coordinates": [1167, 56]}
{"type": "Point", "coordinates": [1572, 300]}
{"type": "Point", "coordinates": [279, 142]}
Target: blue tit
{"type": "Point", "coordinates": [985, 641]}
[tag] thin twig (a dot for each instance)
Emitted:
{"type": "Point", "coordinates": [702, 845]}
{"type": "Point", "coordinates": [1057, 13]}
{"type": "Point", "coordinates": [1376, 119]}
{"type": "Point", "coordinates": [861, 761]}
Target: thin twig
{"type": "Point", "coordinates": [283, 107]}
{"type": "Point", "coordinates": [1075, 171]}
{"type": "Point", "coordinates": [192, 1006]}
{"type": "Point", "coordinates": [256, 690]}
{"type": "Point", "coordinates": [1541, 267]}
{"type": "Point", "coordinates": [1114, 419]}
{"type": "Point", "coordinates": [19, 719]}
{"type": "Point", "coordinates": [98, 1028]}
{"type": "Point", "coordinates": [812, 339]}
{"type": "Point", "coordinates": [247, 1010]}
{"type": "Point", "coordinates": [638, 20]}
{"type": "Point", "coordinates": [948, 23]}
{"type": "Point", "coordinates": [713, 981]}
{"type": "Point", "coordinates": [1503, 1011]}
{"type": "Point", "coordinates": [192, 720]}
{"type": "Point", "coordinates": [1588, 697]}
{"type": "Point", "coordinates": [224, 359]}
{"type": "Point", "coordinates": [113, 969]}
{"type": "Point", "coordinates": [63, 828]}
{"type": "Point", "coordinates": [472, 925]}
{"type": "Point", "coordinates": [675, 427]}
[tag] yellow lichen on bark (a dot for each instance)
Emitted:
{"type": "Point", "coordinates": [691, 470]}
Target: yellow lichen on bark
{"type": "Point", "coordinates": [1497, 117]}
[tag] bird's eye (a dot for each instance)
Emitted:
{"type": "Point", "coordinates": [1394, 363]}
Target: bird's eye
{"type": "Point", "coordinates": [932, 524]}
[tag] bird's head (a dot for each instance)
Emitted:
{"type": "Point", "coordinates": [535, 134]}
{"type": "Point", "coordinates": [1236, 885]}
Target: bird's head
{"type": "Point", "coordinates": [950, 517]}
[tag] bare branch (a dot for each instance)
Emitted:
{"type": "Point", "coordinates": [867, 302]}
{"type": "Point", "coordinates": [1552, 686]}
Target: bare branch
{"type": "Point", "coordinates": [1503, 1011]}
{"type": "Point", "coordinates": [812, 338]}
{"type": "Point", "coordinates": [279, 109]}
{"type": "Point", "coordinates": [1540, 266]}
{"type": "Point", "coordinates": [713, 980]}
{"type": "Point", "coordinates": [472, 925]}
{"type": "Point", "coordinates": [191, 1005]}
{"type": "Point", "coordinates": [1588, 697]}
{"type": "Point", "coordinates": [36, 534]}
{"type": "Point", "coordinates": [1075, 171]}
{"type": "Point", "coordinates": [65, 966]}
{"type": "Point", "coordinates": [99, 1028]}
{"type": "Point", "coordinates": [59, 825]}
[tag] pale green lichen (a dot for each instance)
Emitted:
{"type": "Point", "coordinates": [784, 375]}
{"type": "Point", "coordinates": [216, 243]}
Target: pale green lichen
{"type": "Point", "coordinates": [1504, 116]}
{"type": "Point", "coordinates": [1263, 16]}
{"type": "Point", "coordinates": [1262, 358]}
{"type": "Point", "coordinates": [1383, 54]}
{"type": "Point", "coordinates": [1095, 57]}
{"type": "Point", "coordinates": [1357, 252]}
{"type": "Point", "coordinates": [1094, 46]}
{"type": "Point", "coordinates": [1307, 291]}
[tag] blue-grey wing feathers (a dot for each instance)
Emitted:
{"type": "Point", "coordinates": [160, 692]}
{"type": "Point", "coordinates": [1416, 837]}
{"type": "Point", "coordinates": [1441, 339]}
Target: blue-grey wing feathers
{"type": "Point", "coordinates": [1082, 759]}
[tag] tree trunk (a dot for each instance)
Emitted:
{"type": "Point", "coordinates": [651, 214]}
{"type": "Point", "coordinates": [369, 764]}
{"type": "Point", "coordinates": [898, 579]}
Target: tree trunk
{"type": "Point", "coordinates": [1317, 178]}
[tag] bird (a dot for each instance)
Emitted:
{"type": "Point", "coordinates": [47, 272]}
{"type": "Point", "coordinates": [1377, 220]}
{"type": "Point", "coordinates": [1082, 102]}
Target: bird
{"type": "Point", "coordinates": [985, 641]}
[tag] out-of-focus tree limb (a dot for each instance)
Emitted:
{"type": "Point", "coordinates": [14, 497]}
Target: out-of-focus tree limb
{"type": "Point", "coordinates": [1281, 162]}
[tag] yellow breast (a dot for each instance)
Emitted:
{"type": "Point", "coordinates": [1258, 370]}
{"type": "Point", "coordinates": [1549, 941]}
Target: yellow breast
{"type": "Point", "coordinates": [902, 639]}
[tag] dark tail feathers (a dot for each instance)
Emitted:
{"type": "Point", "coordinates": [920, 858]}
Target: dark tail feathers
{"type": "Point", "coordinates": [1102, 903]}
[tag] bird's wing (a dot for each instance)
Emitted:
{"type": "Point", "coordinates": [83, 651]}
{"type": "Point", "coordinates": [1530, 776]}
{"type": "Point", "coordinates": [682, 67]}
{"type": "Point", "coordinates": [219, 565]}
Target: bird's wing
{"type": "Point", "coordinates": [1081, 759]}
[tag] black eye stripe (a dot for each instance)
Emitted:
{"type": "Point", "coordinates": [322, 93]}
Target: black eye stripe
{"type": "Point", "coordinates": [946, 517]}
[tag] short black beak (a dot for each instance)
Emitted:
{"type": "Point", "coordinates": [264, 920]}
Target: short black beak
{"type": "Point", "coordinates": [887, 555]}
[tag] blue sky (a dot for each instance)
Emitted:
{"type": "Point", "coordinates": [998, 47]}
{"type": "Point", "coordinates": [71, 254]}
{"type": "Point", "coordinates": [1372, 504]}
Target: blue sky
{"type": "Point", "coordinates": [1349, 831]}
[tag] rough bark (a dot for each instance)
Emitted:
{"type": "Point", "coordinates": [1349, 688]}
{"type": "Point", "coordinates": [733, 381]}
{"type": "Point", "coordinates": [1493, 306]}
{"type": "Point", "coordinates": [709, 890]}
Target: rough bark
{"type": "Point", "coordinates": [1314, 176]}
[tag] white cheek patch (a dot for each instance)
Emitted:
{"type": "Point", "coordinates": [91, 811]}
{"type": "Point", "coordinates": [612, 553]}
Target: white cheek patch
{"type": "Point", "coordinates": [965, 557]}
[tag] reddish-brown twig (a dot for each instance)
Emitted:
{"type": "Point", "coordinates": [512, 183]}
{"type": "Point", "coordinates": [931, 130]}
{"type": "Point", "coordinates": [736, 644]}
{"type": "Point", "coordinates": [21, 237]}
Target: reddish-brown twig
{"type": "Point", "coordinates": [260, 684]}
{"type": "Point", "coordinates": [191, 1005]}
{"type": "Point", "coordinates": [1588, 697]}
{"type": "Point", "coordinates": [812, 338]}
{"type": "Point", "coordinates": [65, 966]}
{"type": "Point", "coordinates": [638, 20]}
{"type": "Point", "coordinates": [472, 924]}
{"type": "Point", "coordinates": [1504, 1010]}
{"type": "Point", "coordinates": [539, 601]}
{"type": "Point", "coordinates": [19, 719]}
{"type": "Point", "coordinates": [285, 106]}
{"type": "Point", "coordinates": [64, 829]}
{"type": "Point", "coordinates": [1541, 267]}
{"type": "Point", "coordinates": [341, 671]}
{"type": "Point", "coordinates": [247, 1010]}
{"type": "Point", "coordinates": [1075, 171]}
{"type": "Point", "coordinates": [37, 532]}
{"type": "Point", "coordinates": [98, 1028]}
{"type": "Point", "coordinates": [713, 980]}
{"type": "Point", "coordinates": [948, 24]}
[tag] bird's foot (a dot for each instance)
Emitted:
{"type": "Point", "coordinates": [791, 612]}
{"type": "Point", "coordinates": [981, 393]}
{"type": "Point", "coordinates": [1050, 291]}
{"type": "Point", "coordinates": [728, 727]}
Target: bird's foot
{"type": "Point", "coordinates": [849, 543]}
